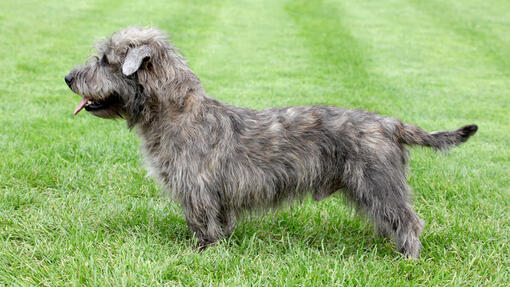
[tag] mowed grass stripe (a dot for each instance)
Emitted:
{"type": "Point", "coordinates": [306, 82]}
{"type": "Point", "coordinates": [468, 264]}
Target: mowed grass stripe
{"type": "Point", "coordinates": [396, 47]}
{"type": "Point", "coordinates": [339, 59]}
{"type": "Point", "coordinates": [486, 36]}
{"type": "Point", "coordinates": [449, 75]}
{"type": "Point", "coordinates": [253, 57]}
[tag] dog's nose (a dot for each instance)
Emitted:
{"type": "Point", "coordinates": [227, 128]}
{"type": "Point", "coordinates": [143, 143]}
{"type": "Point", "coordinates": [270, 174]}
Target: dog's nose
{"type": "Point", "coordinates": [69, 79]}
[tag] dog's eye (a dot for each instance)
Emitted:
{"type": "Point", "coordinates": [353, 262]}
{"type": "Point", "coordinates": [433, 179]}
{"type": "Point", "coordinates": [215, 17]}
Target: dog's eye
{"type": "Point", "coordinates": [104, 60]}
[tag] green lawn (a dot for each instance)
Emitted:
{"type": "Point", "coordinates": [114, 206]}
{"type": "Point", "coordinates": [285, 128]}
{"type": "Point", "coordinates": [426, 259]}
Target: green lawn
{"type": "Point", "coordinates": [77, 209]}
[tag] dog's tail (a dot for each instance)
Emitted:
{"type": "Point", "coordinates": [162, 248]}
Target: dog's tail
{"type": "Point", "coordinates": [443, 140]}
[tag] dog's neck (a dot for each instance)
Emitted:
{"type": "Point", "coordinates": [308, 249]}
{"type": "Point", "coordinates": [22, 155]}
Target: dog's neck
{"type": "Point", "coordinates": [177, 101]}
{"type": "Point", "coordinates": [179, 93]}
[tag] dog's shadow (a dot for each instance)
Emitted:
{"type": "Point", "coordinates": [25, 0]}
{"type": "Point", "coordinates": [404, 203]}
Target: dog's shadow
{"type": "Point", "coordinates": [344, 236]}
{"type": "Point", "coordinates": [287, 229]}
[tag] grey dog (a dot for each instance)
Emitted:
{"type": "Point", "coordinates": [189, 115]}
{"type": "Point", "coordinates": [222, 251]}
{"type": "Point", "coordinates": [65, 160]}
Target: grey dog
{"type": "Point", "coordinates": [219, 161]}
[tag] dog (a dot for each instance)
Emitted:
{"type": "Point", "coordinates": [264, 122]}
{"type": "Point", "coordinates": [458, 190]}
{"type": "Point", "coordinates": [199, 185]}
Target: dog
{"type": "Point", "coordinates": [220, 161]}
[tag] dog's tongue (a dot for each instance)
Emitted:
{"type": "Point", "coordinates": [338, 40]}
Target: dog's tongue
{"type": "Point", "coordinates": [80, 106]}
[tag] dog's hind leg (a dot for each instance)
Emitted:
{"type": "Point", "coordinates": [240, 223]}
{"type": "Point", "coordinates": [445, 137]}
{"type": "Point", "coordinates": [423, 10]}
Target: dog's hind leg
{"type": "Point", "coordinates": [382, 194]}
{"type": "Point", "coordinates": [400, 221]}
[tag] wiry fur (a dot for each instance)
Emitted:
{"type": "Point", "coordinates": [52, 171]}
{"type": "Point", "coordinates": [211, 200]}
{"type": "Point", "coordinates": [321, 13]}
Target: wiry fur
{"type": "Point", "coordinates": [219, 161]}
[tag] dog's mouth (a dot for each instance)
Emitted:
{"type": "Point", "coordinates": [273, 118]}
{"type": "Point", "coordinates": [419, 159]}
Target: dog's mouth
{"type": "Point", "coordinates": [91, 105]}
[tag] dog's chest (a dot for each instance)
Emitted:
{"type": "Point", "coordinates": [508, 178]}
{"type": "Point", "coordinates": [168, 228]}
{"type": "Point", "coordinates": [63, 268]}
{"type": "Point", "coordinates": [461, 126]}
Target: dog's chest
{"type": "Point", "coordinates": [157, 160]}
{"type": "Point", "coordinates": [165, 161]}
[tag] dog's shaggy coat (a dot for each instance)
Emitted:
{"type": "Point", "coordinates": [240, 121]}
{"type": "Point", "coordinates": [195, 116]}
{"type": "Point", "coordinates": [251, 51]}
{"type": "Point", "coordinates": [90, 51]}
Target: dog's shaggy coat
{"type": "Point", "coordinates": [219, 161]}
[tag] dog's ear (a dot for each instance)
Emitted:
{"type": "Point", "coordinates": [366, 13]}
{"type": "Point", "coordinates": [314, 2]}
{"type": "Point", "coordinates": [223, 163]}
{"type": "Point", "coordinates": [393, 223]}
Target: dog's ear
{"type": "Point", "coordinates": [135, 58]}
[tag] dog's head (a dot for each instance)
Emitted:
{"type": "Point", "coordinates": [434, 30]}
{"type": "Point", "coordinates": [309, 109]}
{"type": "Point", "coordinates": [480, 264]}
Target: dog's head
{"type": "Point", "coordinates": [129, 69]}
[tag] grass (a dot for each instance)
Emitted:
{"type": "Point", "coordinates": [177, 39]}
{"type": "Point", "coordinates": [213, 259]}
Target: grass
{"type": "Point", "coordinates": [77, 209]}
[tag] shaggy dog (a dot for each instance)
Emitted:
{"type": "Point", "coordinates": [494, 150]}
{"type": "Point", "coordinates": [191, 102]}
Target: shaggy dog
{"type": "Point", "coordinates": [219, 161]}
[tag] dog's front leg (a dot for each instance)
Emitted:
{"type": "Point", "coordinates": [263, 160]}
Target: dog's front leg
{"type": "Point", "coordinates": [228, 221]}
{"type": "Point", "coordinates": [202, 215]}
